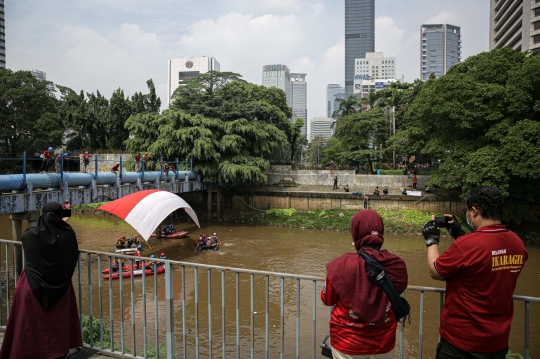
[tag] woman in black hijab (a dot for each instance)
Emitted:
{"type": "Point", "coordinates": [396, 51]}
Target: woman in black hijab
{"type": "Point", "coordinates": [44, 321]}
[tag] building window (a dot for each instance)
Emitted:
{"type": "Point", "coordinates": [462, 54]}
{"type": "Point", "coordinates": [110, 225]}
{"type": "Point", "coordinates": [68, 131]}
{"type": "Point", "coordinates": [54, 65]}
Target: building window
{"type": "Point", "coordinates": [537, 11]}
{"type": "Point", "coordinates": [536, 39]}
{"type": "Point", "coordinates": [537, 24]}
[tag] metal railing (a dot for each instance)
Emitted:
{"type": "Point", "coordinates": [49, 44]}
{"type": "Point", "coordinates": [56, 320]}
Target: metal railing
{"type": "Point", "coordinates": [174, 315]}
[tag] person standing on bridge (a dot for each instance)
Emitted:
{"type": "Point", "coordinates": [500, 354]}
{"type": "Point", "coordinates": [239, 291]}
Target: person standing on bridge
{"type": "Point", "coordinates": [335, 183]}
{"type": "Point", "coordinates": [43, 320]}
{"type": "Point", "coordinates": [481, 270]}
{"type": "Point", "coordinates": [85, 161]}
{"type": "Point", "coordinates": [363, 323]}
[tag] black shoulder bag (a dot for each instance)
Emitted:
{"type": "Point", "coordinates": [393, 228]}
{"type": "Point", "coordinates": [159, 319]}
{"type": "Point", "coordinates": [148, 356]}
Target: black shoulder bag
{"type": "Point", "coordinates": [378, 277]}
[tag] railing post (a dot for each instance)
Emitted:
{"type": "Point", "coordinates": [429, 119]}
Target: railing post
{"type": "Point", "coordinates": [169, 310]}
{"type": "Point", "coordinates": [142, 172]}
{"type": "Point", "coordinates": [120, 169]}
{"type": "Point", "coordinates": [191, 164]}
{"type": "Point", "coordinates": [61, 169]}
{"type": "Point", "coordinates": [161, 168]}
{"type": "Point", "coordinates": [24, 170]}
{"type": "Point", "coordinates": [96, 169]}
{"type": "Point", "coordinates": [176, 170]}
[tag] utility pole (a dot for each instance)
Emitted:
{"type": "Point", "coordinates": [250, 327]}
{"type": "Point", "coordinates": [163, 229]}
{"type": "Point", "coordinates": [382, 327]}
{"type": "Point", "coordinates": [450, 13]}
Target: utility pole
{"type": "Point", "coordinates": [394, 132]}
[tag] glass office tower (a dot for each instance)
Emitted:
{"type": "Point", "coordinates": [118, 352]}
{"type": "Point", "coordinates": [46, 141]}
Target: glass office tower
{"type": "Point", "coordinates": [2, 37]}
{"type": "Point", "coordinates": [440, 49]}
{"type": "Point", "coordinates": [359, 36]}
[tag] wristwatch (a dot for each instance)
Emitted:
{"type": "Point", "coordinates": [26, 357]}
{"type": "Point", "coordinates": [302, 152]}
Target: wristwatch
{"type": "Point", "coordinates": [431, 241]}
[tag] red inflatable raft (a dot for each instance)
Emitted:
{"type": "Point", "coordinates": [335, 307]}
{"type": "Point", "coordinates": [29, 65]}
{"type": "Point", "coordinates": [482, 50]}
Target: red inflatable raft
{"type": "Point", "coordinates": [179, 234]}
{"type": "Point", "coordinates": [136, 273]}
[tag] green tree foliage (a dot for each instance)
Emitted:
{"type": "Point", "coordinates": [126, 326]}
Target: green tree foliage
{"type": "Point", "coordinates": [225, 124]}
{"type": "Point", "coordinates": [294, 136]}
{"type": "Point", "coordinates": [28, 114]}
{"type": "Point", "coordinates": [315, 151]}
{"type": "Point", "coordinates": [482, 120]}
{"type": "Point", "coordinates": [356, 136]}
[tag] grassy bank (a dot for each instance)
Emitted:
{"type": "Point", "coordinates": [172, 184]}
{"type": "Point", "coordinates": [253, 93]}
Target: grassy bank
{"type": "Point", "coordinates": [404, 222]}
{"type": "Point", "coordinates": [408, 222]}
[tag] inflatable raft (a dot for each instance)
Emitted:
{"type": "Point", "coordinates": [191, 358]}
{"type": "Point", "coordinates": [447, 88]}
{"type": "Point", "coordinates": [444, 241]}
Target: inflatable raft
{"type": "Point", "coordinates": [179, 234]}
{"type": "Point", "coordinates": [136, 273]}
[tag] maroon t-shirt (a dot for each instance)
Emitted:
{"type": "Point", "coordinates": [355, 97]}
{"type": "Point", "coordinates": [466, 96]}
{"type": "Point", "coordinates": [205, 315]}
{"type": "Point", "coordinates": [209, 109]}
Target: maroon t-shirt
{"type": "Point", "coordinates": [481, 270]}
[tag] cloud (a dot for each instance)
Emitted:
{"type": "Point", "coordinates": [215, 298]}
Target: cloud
{"type": "Point", "coordinates": [388, 36]}
{"type": "Point", "coordinates": [445, 17]}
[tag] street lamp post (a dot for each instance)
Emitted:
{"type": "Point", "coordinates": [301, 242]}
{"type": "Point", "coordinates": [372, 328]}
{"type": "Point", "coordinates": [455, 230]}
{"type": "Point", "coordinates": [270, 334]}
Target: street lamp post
{"type": "Point", "coordinates": [394, 132]}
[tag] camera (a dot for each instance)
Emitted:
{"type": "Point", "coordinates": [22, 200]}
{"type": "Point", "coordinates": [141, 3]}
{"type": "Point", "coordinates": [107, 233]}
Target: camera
{"type": "Point", "coordinates": [442, 222]}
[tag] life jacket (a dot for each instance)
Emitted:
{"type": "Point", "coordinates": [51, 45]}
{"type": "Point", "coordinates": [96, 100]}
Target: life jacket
{"type": "Point", "coordinates": [137, 158]}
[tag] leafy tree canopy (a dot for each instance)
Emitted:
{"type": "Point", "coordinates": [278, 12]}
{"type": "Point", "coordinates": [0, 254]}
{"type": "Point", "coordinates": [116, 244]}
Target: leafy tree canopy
{"type": "Point", "coordinates": [225, 124]}
{"type": "Point", "coordinates": [482, 120]}
{"type": "Point", "coordinates": [28, 114]}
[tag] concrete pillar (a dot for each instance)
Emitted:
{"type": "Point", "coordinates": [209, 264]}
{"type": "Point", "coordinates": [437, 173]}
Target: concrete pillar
{"type": "Point", "coordinates": [16, 226]}
{"type": "Point", "coordinates": [219, 204]}
{"type": "Point", "coordinates": [32, 218]}
{"type": "Point", "coordinates": [209, 204]}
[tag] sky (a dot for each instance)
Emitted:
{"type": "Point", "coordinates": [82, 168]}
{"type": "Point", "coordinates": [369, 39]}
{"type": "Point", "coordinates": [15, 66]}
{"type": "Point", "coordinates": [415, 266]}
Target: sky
{"type": "Point", "coordinates": [108, 44]}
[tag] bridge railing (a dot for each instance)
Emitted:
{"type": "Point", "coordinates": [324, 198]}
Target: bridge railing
{"type": "Point", "coordinates": [203, 311]}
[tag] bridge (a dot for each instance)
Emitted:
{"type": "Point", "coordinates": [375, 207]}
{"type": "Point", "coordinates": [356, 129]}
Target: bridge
{"type": "Point", "coordinates": [23, 195]}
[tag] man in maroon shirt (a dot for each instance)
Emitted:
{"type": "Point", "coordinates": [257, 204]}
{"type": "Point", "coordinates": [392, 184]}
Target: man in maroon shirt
{"type": "Point", "coordinates": [481, 270]}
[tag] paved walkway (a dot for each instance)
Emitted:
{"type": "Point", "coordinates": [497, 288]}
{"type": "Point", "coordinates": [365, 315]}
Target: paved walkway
{"type": "Point", "coordinates": [85, 353]}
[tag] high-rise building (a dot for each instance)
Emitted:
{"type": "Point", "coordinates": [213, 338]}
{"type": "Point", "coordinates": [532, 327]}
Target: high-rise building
{"type": "Point", "coordinates": [440, 49]}
{"type": "Point", "coordinates": [333, 92]}
{"type": "Point", "coordinates": [374, 72]}
{"type": "Point", "coordinates": [2, 37]}
{"type": "Point", "coordinates": [359, 36]}
{"type": "Point", "coordinates": [319, 126]}
{"type": "Point", "coordinates": [40, 75]}
{"type": "Point", "coordinates": [278, 76]}
{"type": "Point", "coordinates": [514, 23]}
{"type": "Point", "coordinates": [299, 98]}
{"type": "Point", "coordinates": [185, 68]}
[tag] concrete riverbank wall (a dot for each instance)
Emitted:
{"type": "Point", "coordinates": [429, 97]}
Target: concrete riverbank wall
{"type": "Point", "coordinates": [277, 174]}
{"type": "Point", "coordinates": [309, 201]}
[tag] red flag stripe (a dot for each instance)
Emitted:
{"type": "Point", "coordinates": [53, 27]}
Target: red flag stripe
{"type": "Point", "coordinates": [122, 206]}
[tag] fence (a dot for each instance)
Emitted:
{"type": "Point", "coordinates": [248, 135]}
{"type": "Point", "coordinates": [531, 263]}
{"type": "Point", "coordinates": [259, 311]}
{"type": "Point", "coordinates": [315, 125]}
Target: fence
{"type": "Point", "coordinates": [73, 163]}
{"type": "Point", "coordinates": [175, 316]}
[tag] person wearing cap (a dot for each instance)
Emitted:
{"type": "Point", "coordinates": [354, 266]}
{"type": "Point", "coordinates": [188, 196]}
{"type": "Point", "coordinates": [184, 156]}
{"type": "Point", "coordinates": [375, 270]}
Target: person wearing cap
{"type": "Point", "coordinates": [137, 255]}
{"type": "Point", "coordinates": [150, 264]}
{"type": "Point", "coordinates": [162, 256]}
{"type": "Point", "coordinates": [171, 229]}
{"type": "Point", "coordinates": [200, 241]}
{"type": "Point", "coordinates": [120, 243]}
{"type": "Point", "coordinates": [136, 241]}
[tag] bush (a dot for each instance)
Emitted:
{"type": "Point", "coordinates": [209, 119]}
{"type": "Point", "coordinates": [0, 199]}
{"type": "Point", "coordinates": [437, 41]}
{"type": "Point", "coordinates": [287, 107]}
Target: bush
{"type": "Point", "coordinates": [281, 212]}
{"type": "Point", "coordinates": [95, 332]}
{"type": "Point", "coordinates": [392, 172]}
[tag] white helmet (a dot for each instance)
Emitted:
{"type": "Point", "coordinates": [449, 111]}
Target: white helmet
{"type": "Point", "coordinates": [214, 234]}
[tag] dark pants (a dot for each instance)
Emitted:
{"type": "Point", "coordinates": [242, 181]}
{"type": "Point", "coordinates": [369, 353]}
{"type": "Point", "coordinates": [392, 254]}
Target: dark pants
{"type": "Point", "coordinates": [365, 205]}
{"type": "Point", "coordinates": [414, 185]}
{"type": "Point", "coordinates": [335, 185]}
{"type": "Point", "coordinates": [446, 350]}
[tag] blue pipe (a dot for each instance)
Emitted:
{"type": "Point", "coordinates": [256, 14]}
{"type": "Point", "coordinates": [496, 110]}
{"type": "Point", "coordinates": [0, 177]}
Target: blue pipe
{"type": "Point", "coordinates": [53, 180]}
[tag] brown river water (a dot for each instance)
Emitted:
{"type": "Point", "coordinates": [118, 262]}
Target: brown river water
{"type": "Point", "coordinates": [273, 249]}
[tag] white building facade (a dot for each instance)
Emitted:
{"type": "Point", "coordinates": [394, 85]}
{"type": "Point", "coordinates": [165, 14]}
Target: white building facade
{"type": "Point", "coordinates": [299, 98]}
{"type": "Point", "coordinates": [320, 126]}
{"type": "Point", "coordinates": [181, 69]}
{"type": "Point", "coordinates": [278, 76]}
{"type": "Point", "coordinates": [374, 72]}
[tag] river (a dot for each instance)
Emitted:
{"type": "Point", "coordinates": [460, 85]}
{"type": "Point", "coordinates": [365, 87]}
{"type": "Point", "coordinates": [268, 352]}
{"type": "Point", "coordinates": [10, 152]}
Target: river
{"type": "Point", "coordinates": [294, 251]}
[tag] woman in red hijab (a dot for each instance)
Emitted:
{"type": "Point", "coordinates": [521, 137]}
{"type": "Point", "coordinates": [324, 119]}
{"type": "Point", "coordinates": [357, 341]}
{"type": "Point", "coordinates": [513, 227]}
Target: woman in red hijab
{"type": "Point", "coordinates": [362, 321]}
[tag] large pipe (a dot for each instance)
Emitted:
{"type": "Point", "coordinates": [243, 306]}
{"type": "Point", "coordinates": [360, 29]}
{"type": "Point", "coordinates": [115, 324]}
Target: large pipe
{"type": "Point", "coordinates": [53, 180]}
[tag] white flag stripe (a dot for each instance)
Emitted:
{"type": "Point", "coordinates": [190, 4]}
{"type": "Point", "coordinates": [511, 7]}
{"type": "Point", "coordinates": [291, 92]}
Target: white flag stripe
{"type": "Point", "coordinates": [148, 214]}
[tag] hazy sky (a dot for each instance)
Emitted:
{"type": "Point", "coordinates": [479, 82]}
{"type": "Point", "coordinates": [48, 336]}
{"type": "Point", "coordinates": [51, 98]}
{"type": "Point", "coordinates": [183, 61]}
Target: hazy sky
{"type": "Point", "coordinates": [105, 44]}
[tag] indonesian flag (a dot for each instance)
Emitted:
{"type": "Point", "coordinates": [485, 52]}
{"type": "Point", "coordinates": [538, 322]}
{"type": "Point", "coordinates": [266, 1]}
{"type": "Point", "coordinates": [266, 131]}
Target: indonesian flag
{"type": "Point", "coordinates": [145, 210]}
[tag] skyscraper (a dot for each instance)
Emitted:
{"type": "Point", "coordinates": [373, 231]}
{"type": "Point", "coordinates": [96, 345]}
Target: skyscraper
{"type": "Point", "coordinates": [333, 92]}
{"type": "Point", "coordinates": [2, 37]}
{"type": "Point", "coordinates": [359, 36]}
{"type": "Point", "coordinates": [374, 72]}
{"type": "Point", "coordinates": [184, 68]}
{"type": "Point", "coordinates": [319, 126]}
{"type": "Point", "coordinates": [440, 48]}
{"type": "Point", "coordinates": [514, 23]}
{"type": "Point", "coordinates": [278, 76]}
{"type": "Point", "coordinates": [299, 98]}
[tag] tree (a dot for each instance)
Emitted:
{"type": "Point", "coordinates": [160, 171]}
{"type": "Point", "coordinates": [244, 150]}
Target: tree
{"type": "Point", "coordinates": [356, 137]}
{"type": "Point", "coordinates": [294, 135]}
{"type": "Point", "coordinates": [120, 110]}
{"type": "Point", "coordinates": [371, 100]}
{"type": "Point", "coordinates": [28, 114]}
{"type": "Point", "coordinates": [226, 125]}
{"type": "Point", "coordinates": [346, 107]}
{"type": "Point", "coordinates": [315, 151]}
{"type": "Point", "coordinates": [482, 120]}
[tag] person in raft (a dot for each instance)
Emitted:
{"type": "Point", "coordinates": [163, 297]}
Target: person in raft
{"type": "Point", "coordinates": [43, 320]}
{"type": "Point", "coordinates": [362, 322]}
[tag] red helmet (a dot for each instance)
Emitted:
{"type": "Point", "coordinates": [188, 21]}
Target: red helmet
{"type": "Point", "coordinates": [162, 255]}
